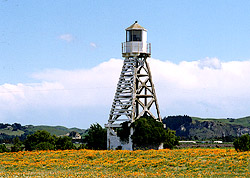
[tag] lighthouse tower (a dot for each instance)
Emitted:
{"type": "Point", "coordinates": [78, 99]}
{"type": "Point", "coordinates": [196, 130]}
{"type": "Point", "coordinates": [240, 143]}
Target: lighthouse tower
{"type": "Point", "coordinates": [135, 94]}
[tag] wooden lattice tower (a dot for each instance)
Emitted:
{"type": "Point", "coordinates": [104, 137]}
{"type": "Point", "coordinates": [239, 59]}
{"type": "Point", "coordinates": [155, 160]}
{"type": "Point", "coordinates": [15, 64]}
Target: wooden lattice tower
{"type": "Point", "coordinates": [135, 94]}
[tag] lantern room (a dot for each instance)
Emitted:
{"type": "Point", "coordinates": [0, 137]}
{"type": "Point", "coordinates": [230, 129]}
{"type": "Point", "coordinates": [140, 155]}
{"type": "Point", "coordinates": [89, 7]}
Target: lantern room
{"type": "Point", "coordinates": [136, 42]}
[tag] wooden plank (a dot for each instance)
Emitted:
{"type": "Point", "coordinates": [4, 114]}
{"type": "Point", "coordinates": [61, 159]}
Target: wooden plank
{"type": "Point", "coordinates": [142, 75]}
{"type": "Point", "coordinates": [112, 125]}
{"type": "Point", "coordinates": [123, 109]}
{"type": "Point", "coordinates": [144, 96]}
{"type": "Point", "coordinates": [119, 114]}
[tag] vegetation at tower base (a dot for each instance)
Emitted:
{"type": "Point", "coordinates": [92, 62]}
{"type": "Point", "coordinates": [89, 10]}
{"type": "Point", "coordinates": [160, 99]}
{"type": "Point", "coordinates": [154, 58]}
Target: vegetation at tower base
{"type": "Point", "coordinates": [242, 143]}
{"type": "Point", "coordinates": [149, 134]}
{"type": "Point", "coordinates": [96, 137]}
{"type": "Point", "coordinates": [124, 132]}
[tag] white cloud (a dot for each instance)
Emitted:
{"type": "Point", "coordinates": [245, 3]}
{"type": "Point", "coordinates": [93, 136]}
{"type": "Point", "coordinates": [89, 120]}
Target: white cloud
{"type": "Point", "coordinates": [210, 91]}
{"type": "Point", "coordinates": [212, 63]}
{"type": "Point", "coordinates": [206, 88]}
{"type": "Point", "coordinates": [93, 45]}
{"type": "Point", "coordinates": [62, 91]}
{"type": "Point", "coordinates": [66, 37]}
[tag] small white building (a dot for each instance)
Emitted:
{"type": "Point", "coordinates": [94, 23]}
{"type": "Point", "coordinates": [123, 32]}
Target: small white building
{"type": "Point", "coordinates": [218, 141]}
{"type": "Point", "coordinates": [187, 142]}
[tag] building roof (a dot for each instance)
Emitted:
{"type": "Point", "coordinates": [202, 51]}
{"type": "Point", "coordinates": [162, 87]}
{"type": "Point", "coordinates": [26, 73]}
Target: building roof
{"type": "Point", "coordinates": [136, 26]}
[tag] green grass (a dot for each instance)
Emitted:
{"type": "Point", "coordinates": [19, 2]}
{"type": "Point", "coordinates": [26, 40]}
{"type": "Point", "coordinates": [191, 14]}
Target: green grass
{"type": "Point", "coordinates": [245, 121]}
{"type": "Point", "coordinates": [54, 130]}
{"type": "Point", "coordinates": [11, 132]}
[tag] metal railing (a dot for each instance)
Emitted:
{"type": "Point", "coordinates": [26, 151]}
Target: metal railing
{"type": "Point", "coordinates": [136, 47]}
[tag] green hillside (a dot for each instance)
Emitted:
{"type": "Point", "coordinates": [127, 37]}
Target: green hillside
{"type": "Point", "coordinates": [186, 127]}
{"type": "Point", "coordinates": [54, 130]}
{"type": "Point", "coordinates": [244, 121]}
{"type": "Point", "coordinates": [10, 131]}
{"type": "Point", "coordinates": [194, 128]}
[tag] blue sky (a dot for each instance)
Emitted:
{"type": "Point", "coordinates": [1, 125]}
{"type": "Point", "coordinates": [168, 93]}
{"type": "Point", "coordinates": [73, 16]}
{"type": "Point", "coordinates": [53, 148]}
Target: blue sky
{"type": "Point", "coordinates": [42, 39]}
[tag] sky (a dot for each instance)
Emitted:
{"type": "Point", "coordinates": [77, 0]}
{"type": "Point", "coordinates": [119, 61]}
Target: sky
{"type": "Point", "coordinates": [60, 60]}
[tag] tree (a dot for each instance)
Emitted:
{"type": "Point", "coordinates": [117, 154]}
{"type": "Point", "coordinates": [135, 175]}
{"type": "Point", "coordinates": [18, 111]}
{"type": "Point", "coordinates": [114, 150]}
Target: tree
{"type": "Point", "coordinates": [64, 143]}
{"type": "Point", "coordinates": [82, 146]}
{"type": "Point", "coordinates": [174, 122]}
{"type": "Point", "coordinates": [41, 137]}
{"type": "Point", "coordinates": [96, 137]}
{"type": "Point", "coordinates": [42, 140]}
{"type": "Point", "coordinates": [16, 126]}
{"type": "Point", "coordinates": [242, 143]}
{"type": "Point", "coordinates": [147, 133]}
{"type": "Point", "coordinates": [3, 148]}
{"type": "Point", "coordinates": [44, 146]}
{"type": "Point", "coordinates": [124, 132]}
{"type": "Point", "coordinates": [150, 133]}
{"type": "Point", "coordinates": [17, 145]}
{"type": "Point", "coordinates": [171, 139]}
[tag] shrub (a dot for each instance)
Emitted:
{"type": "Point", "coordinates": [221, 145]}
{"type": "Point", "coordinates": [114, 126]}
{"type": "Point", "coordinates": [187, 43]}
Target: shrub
{"type": "Point", "coordinates": [96, 137]}
{"type": "Point", "coordinates": [242, 143]}
{"type": "Point", "coordinates": [149, 133]}
{"type": "Point", "coordinates": [17, 145]}
{"type": "Point", "coordinates": [38, 137]}
{"type": "Point", "coordinates": [124, 132]}
{"type": "Point", "coordinates": [64, 143]}
{"type": "Point", "coordinates": [3, 148]}
{"type": "Point", "coordinates": [44, 146]}
{"type": "Point", "coordinates": [171, 139]}
{"type": "Point", "coordinates": [82, 146]}
{"type": "Point", "coordinates": [42, 140]}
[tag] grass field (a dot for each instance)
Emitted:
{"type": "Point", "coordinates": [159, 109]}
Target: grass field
{"type": "Point", "coordinates": [54, 130]}
{"type": "Point", "coordinates": [11, 132]}
{"type": "Point", "coordinates": [244, 121]}
{"type": "Point", "coordinates": [151, 163]}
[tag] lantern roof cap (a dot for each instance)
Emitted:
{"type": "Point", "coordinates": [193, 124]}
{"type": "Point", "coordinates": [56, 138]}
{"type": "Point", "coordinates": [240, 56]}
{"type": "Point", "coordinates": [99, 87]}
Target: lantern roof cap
{"type": "Point", "coordinates": [136, 26]}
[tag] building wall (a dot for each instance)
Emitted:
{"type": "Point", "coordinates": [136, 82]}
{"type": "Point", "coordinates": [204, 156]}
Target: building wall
{"type": "Point", "coordinates": [114, 142]}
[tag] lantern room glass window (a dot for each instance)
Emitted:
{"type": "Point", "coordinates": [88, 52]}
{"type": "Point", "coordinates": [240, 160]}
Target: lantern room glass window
{"type": "Point", "coordinates": [134, 35]}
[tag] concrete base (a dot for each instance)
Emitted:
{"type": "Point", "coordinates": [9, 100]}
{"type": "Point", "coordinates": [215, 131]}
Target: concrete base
{"type": "Point", "coordinates": [114, 142]}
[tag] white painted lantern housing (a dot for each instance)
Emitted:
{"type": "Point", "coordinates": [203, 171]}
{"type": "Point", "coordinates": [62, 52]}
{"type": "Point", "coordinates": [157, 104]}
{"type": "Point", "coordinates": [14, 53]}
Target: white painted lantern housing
{"type": "Point", "coordinates": [136, 41]}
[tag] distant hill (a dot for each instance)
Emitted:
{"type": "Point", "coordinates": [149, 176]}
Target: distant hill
{"type": "Point", "coordinates": [9, 131]}
{"type": "Point", "coordinates": [244, 121]}
{"type": "Point", "coordinates": [54, 130]}
{"type": "Point", "coordinates": [195, 128]}
{"type": "Point", "coordinates": [189, 128]}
